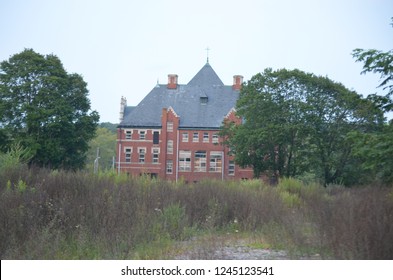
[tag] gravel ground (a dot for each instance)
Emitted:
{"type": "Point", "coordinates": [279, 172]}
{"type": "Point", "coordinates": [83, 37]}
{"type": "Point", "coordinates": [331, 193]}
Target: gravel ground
{"type": "Point", "coordinates": [229, 249]}
{"type": "Point", "coordinates": [236, 253]}
{"type": "Point", "coordinates": [233, 250]}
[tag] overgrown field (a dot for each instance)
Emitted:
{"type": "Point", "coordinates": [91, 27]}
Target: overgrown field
{"type": "Point", "coordinates": [64, 215]}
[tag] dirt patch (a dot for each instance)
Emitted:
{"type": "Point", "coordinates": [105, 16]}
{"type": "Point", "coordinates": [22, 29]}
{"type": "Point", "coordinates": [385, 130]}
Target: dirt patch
{"type": "Point", "coordinates": [225, 248]}
{"type": "Point", "coordinates": [231, 248]}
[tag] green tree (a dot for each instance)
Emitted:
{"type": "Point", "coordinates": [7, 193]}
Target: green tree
{"type": "Point", "coordinates": [45, 109]}
{"type": "Point", "coordinates": [296, 122]}
{"type": "Point", "coordinates": [105, 141]}
{"type": "Point", "coordinates": [112, 127]}
{"type": "Point", "coordinates": [375, 152]}
{"type": "Point", "coordinates": [376, 61]}
{"type": "Point", "coordinates": [374, 149]}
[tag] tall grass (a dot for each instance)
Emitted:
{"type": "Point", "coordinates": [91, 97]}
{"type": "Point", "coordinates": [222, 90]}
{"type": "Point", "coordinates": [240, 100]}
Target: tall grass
{"type": "Point", "coordinates": [64, 215]}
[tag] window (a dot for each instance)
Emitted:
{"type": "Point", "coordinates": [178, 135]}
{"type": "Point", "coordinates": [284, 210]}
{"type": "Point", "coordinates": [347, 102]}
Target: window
{"type": "Point", "coordinates": [203, 100]}
{"type": "Point", "coordinates": [169, 126]}
{"type": "Point", "coordinates": [215, 162]}
{"type": "Point", "coordinates": [206, 137]}
{"type": "Point", "coordinates": [215, 138]}
{"type": "Point", "coordinates": [169, 166]}
{"type": "Point", "coordinates": [195, 137]}
{"type": "Point", "coordinates": [142, 134]}
{"type": "Point", "coordinates": [156, 152]}
{"type": "Point", "coordinates": [200, 161]}
{"type": "Point", "coordinates": [128, 154]}
{"type": "Point", "coordinates": [231, 168]}
{"type": "Point", "coordinates": [184, 137]}
{"type": "Point", "coordinates": [169, 147]}
{"type": "Point", "coordinates": [156, 137]}
{"type": "Point", "coordinates": [142, 153]}
{"type": "Point", "coordinates": [184, 161]}
{"type": "Point", "coordinates": [128, 134]}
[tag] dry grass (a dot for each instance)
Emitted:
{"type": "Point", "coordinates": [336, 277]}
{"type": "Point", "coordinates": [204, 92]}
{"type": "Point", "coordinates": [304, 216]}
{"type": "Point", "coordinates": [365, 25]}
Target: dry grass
{"type": "Point", "coordinates": [65, 215]}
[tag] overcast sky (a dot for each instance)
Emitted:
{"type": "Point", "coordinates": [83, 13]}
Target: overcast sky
{"type": "Point", "coordinates": [121, 48]}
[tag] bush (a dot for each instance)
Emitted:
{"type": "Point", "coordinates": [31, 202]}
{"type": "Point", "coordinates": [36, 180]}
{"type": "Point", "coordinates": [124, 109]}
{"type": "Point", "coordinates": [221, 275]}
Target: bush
{"type": "Point", "coordinates": [74, 215]}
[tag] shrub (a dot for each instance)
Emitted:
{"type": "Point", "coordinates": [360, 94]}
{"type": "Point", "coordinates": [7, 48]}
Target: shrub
{"type": "Point", "coordinates": [55, 214]}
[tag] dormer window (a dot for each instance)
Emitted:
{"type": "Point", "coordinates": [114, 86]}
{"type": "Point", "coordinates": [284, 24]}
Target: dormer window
{"type": "Point", "coordinates": [203, 100]}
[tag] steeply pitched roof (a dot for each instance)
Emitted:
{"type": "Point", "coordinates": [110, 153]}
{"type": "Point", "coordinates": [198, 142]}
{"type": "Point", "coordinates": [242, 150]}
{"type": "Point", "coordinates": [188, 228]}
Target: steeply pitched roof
{"type": "Point", "coordinates": [186, 102]}
{"type": "Point", "coordinates": [206, 77]}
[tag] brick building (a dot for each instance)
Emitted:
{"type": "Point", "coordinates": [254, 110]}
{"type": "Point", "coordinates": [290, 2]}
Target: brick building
{"type": "Point", "coordinates": [173, 132]}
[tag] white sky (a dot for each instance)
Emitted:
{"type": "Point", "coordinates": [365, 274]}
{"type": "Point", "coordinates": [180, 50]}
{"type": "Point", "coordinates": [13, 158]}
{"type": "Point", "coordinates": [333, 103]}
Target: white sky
{"type": "Point", "coordinates": [121, 48]}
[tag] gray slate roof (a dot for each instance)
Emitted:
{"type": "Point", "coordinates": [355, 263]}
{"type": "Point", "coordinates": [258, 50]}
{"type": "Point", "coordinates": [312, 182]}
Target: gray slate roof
{"type": "Point", "coordinates": [185, 101]}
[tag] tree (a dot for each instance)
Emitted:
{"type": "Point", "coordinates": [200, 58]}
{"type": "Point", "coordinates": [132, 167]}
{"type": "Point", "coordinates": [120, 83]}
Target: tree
{"type": "Point", "coordinates": [380, 62]}
{"type": "Point", "coordinates": [375, 152]}
{"type": "Point", "coordinates": [45, 109]}
{"type": "Point", "coordinates": [296, 122]}
{"type": "Point", "coordinates": [374, 149]}
{"type": "Point", "coordinates": [105, 140]}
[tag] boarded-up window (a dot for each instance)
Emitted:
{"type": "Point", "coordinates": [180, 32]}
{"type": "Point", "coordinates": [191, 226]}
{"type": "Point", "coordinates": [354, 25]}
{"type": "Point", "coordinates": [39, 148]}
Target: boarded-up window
{"type": "Point", "coordinates": [156, 137]}
{"type": "Point", "coordinates": [185, 161]}
{"type": "Point", "coordinates": [200, 161]}
{"type": "Point", "coordinates": [215, 161]}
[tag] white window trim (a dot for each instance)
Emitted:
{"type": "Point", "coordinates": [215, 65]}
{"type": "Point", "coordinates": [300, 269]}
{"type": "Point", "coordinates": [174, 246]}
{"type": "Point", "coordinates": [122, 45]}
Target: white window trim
{"type": "Point", "coordinates": [169, 128]}
{"type": "Point", "coordinates": [214, 165]}
{"type": "Point", "coordinates": [139, 154]}
{"type": "Point", "coordinates": [144, 136]}
{"type": "Point", "coordinates": [125, 134]}
{"type": "Point", "coordinates": [205, 139]}
{"type": "Point", "coordinates": [183, 138]}
{"type": "Point", "coordinates": [125, 153]}
{"type": "Point", "coordinates": [166, 167]}
{"type": "Point", "coordinates": [167, 150]}
{"type": "Point", "coordinates": [215, 138]}
{"type": "Point", "coordinates": [187, 165]}
{"type": "Point", "coordinates": [195, 140]}
{"type": "Point", "coordinates": [158, 155]}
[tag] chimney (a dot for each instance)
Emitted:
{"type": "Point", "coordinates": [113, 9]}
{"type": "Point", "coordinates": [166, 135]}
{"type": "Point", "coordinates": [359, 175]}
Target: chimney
{"type": "Point", "coordinates": [237, 82]}
{"type": "Point", "coordinates": [172, 81]}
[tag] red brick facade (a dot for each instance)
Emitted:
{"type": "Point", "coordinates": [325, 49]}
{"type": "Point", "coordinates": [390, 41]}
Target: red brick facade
{"type": "Point", "coordinates": [170, 151]}
{"type": "Point", "coordinates": [190, 154]}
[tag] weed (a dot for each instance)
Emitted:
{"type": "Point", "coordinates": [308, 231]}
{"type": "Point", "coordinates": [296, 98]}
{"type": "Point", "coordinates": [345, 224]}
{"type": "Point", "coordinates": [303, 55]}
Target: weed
{"type": "Point", "coordinates": [75, 215]}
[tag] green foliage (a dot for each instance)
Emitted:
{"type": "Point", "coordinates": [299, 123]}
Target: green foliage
{"type": "Point", "coordinates": [374, 148]}
{"type": "Point", "coordinates": [296, 123]}
{"type": "Point", "coordinates": [375, 152]}
{"type": "Point", "coordinates": [15, 156]}
{"type": "Point", "coordinates": [77, 215]}
{"type": "Point", "coordinates": [112, 127]}
{"type": "Point", "coordinates": [46, 109]}
{"type": "Point", "coordinates": [379, 62]}
{"type": "Point", "coordinates": [105, 140]}
{"type": "Point", "coordinates": [290, 185]}
{"type": "Point", "coordinates": [172, 220]}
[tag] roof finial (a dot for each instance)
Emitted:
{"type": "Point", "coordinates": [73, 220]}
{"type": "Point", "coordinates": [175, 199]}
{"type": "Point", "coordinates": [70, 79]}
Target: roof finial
{"type": "Point", "coordinates": [207, 55]}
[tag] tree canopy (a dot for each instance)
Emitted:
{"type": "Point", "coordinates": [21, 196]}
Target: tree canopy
{"type": "Point", "coordinates": [45, 109]}
{"type": "Point", "coordinates": [296, 123]}
{"type": "Point", "coordinates": [105, 141]}
{"type": "Point", "coordinates": [375, 149]}
{"type": "Point", "coordinates": [379, 62]}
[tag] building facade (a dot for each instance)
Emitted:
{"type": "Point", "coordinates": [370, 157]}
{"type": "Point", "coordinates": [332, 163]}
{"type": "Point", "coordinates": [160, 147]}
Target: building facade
{"type": "Point", "coordinates": [173, 132]}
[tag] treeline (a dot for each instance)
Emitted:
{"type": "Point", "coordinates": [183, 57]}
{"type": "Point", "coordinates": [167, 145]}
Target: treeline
{"type": "Point", "coordinates": [302, 125]}
{"type": "Point", "coordinates": [297, 124]}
